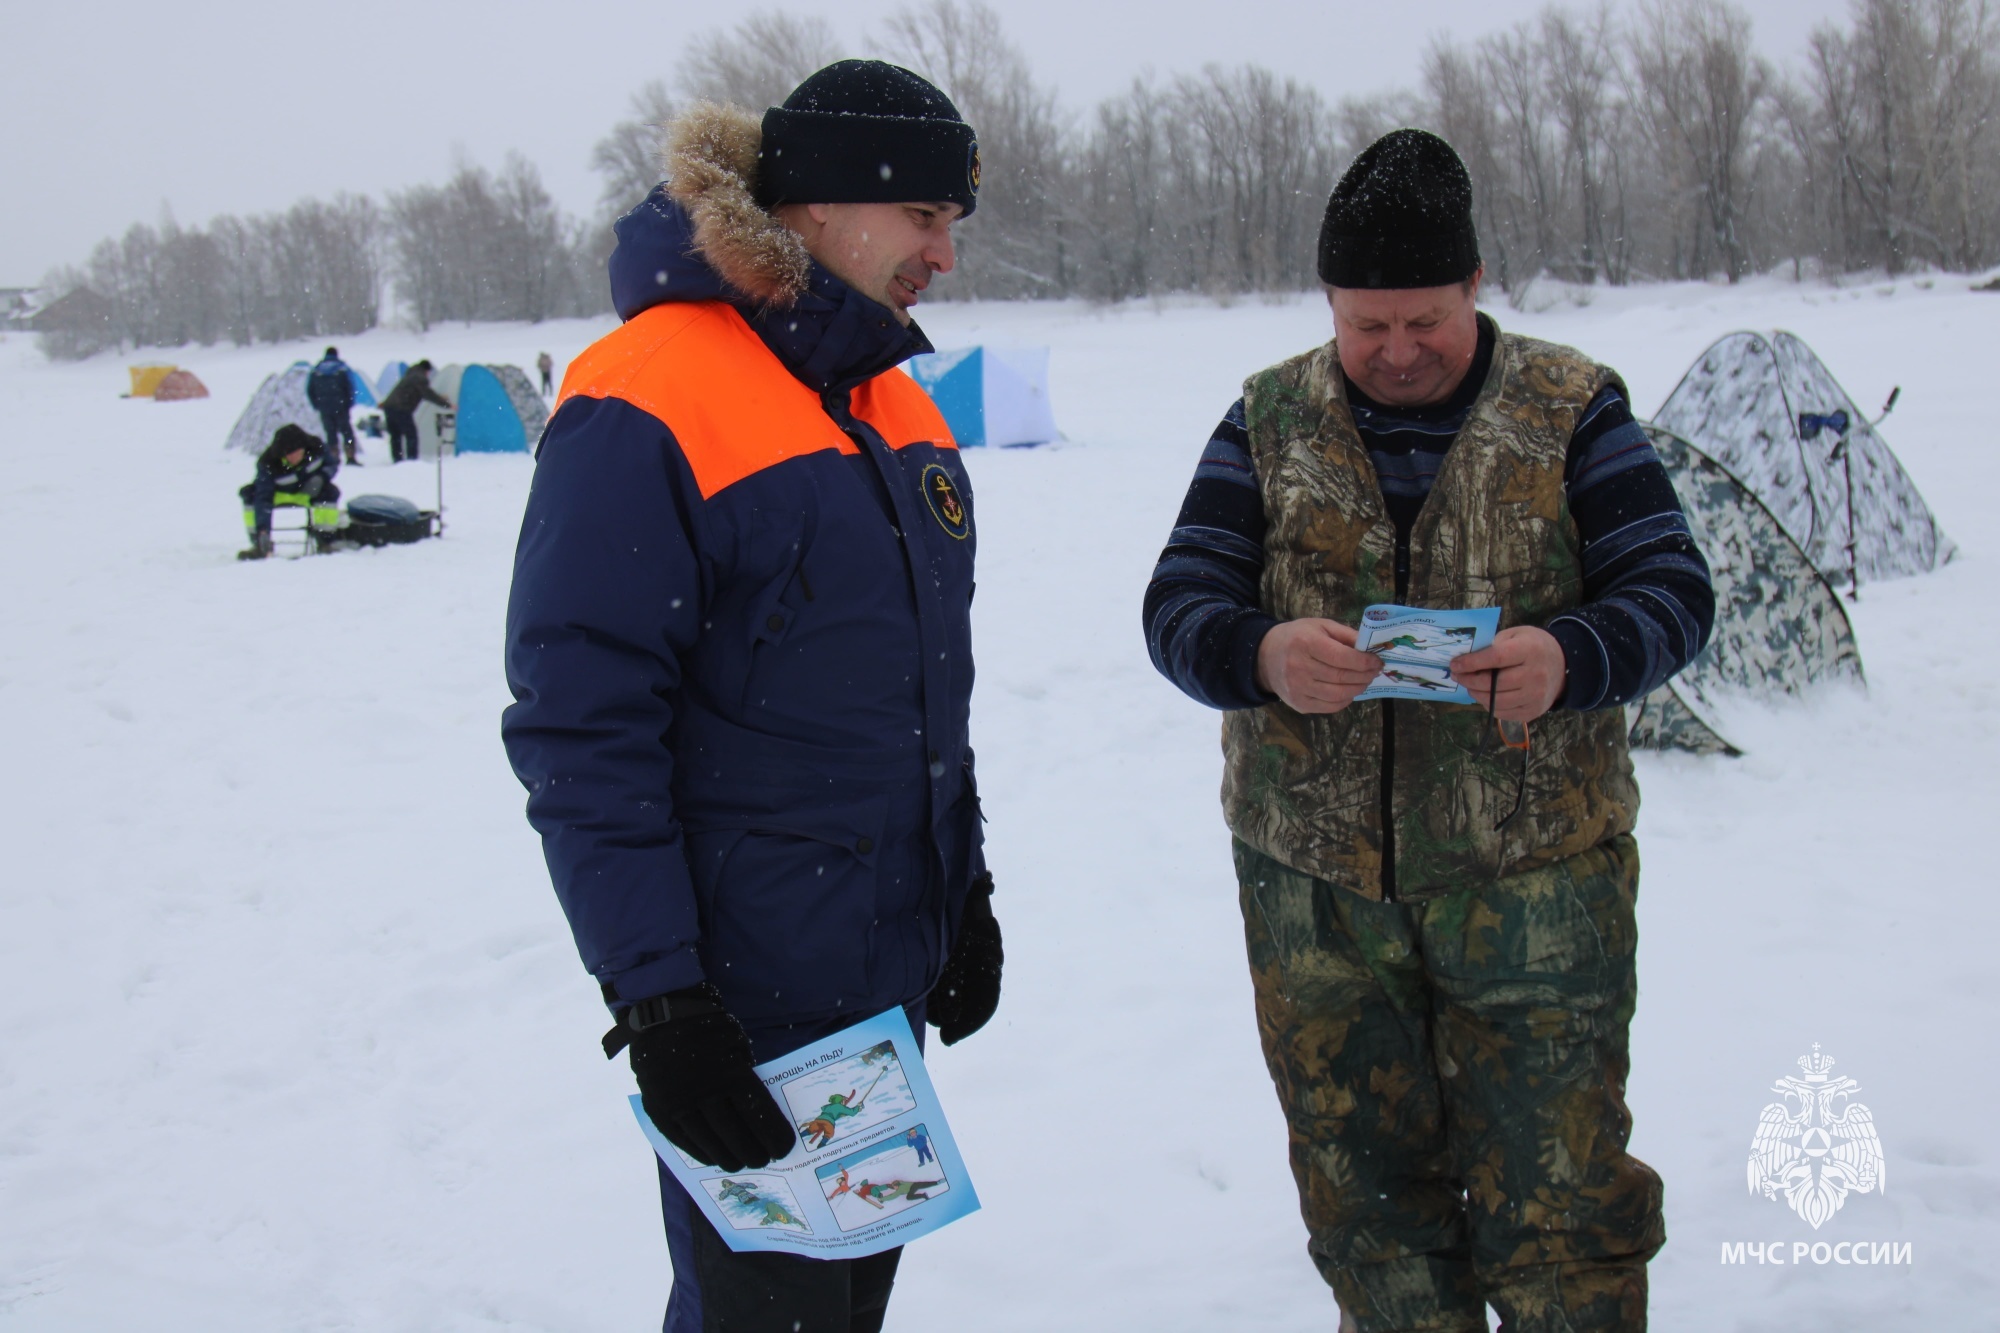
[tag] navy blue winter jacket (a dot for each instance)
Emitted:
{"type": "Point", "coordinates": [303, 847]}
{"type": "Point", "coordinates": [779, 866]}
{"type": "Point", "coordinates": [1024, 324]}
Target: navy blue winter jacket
{"type": "Point", "coordinates": [739, 646]}
{"type": "Point", "coordinates": [330, 386]}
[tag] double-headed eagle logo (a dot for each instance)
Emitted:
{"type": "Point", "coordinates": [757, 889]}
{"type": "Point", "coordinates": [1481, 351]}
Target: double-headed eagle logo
{"type": "Point", "coordinates": [1811, 1151]}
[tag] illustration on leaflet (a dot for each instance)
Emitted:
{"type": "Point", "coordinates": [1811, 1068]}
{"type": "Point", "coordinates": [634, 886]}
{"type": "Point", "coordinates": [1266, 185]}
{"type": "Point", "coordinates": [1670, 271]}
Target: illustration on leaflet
{"type": "Point", "coordinates": [875, 1165]}
{"type": "Point", "coordinates": [1417, 648]}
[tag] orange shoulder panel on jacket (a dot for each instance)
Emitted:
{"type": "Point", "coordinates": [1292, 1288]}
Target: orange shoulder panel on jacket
{"type": "Point", "coordinates": [897, 407]}
{"type": "Point", "coordinates": [706, 376]}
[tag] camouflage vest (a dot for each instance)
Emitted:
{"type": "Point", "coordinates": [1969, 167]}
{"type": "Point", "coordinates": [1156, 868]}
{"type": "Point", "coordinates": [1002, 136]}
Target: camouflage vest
{"type": "Point", "coordinates": [1495, 531]}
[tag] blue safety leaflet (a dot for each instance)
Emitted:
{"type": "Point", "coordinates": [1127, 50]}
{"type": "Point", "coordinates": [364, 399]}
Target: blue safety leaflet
{"type": "Point", "coordinates": [1417, 646]}
{"type": "Point", "coordinates": [874, 1165]}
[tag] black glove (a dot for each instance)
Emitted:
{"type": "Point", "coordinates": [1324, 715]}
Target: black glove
{"type": "Point", "coordinates": [698, 1087]}
{"type": "Point", "coordinates": [968, 991]}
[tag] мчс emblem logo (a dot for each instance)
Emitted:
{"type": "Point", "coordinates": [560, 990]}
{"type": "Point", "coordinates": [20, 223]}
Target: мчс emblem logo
{"type": "Point", "coordinates": [1812, 1151]}
{"type": "Point", "coordinates": [949, 509]}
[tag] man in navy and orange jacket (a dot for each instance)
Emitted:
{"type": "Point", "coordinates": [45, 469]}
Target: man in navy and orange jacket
{"type": "Point", "coordinates": [739, 643]}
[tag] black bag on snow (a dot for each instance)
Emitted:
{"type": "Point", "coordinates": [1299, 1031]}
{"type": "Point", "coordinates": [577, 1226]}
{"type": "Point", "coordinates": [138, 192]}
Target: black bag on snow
{"type": "Point", "coordinates": [383, 520]}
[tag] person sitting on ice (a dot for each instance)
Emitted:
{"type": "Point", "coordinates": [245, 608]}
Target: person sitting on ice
{"type": "Point", "coordinates": [295, 462]}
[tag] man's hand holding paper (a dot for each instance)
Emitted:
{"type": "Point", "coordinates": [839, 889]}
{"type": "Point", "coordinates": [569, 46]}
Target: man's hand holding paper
{"type": "Point", "coordinates": [1314, 666]}
{"type": "Point", "coordinates": [1529, 663]}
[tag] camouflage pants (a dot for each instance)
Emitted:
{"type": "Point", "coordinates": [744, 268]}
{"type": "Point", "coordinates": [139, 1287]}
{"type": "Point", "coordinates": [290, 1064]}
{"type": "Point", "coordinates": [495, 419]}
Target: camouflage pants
{"type": "Point", "coordinates": [1453, 1075]}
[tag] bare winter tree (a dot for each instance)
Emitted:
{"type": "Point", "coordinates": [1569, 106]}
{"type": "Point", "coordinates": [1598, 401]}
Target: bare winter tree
{"type": "Point", "coordinates": [1700, 89]}
{"type": "Point", "coordinates": [311, 270]}
{"type": "Point", "coordinates": [1603, 144]}
{"type": "Point", "coordinates": [1900, 115]}
{"type": "Point", "coordinates": [757, 63]}
{"type": "Point", "coordinates": [1122, 171]}
{"type": "Point", "coordinates": [482, 246]}
{"type": "Point", "coordinates": [1018, 243]}
{"type": "Point", "coordinates": [1462, 110]}
{"type": "Point", "coordinates": [1253, 157]}
{"type": "Point", "coordinates": [1579, 53]}
{"type": "Point", "coordinates": [628, 158]}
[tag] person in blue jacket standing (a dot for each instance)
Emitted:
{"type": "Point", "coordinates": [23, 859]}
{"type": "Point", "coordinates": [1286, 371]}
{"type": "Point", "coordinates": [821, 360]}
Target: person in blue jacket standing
{"type": "Point", "coordinates": [330, 389]}
{"type": "Point", "coordinates": [739, 644]}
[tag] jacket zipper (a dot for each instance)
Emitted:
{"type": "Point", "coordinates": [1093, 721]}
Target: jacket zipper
{"type": "Point", "coordinates": [1389, 743]}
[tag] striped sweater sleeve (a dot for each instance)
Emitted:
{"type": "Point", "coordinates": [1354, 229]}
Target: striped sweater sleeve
{"type": "Point", "coordinates": [1203, 621]}
{"type": "Point", "coordinates": [1648, 605]}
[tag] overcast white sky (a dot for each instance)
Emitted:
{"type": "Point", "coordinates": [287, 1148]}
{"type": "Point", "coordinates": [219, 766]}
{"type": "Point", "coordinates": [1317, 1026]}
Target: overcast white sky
{"type": "Point", "coordinates": [113, 110]}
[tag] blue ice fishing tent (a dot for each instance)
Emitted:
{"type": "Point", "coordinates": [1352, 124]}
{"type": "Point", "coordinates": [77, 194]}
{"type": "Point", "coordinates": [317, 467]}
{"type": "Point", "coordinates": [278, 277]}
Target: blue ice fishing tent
{"type": "Point", "coordinates": [386, 381]}
{"type": "Point", "coordinates": [490, 420]}
{"type": "Point", "coordinates": [990, 395]}
{"type": "Point", "coordinates": [494, 410]}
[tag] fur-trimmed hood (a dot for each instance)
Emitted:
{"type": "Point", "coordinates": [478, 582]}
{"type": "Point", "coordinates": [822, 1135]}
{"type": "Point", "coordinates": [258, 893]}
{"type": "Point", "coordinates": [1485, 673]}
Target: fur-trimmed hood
{"type": "Point", "coordinates": [701, 236]}
{"type": "Point", "coordinates": [711, 164]}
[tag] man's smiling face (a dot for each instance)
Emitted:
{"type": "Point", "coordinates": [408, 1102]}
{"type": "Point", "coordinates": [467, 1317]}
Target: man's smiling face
{"type": "Point", "coordinates": [1407, 346]}
{"type": "Point", "coordinates": [887, 252]}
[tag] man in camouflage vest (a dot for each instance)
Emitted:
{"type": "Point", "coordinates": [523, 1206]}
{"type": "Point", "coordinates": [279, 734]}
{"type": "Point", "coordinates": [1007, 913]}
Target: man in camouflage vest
{"type": "Point", "coordinates": [1438, 899]}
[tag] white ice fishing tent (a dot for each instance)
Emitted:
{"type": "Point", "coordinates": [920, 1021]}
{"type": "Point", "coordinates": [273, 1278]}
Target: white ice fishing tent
{"type": "Point", "coordinates": [279, 399]}
{"type": "Point", "coordinates": [1767, 410]}
{"type": "Point", "coordinates": [495, 410]}
{"type": "Point", "coordinates": [1780, 629]}
{"type": "Point", "coordinates": [990, 395]}
{"type": "Point", "coordinates": [386, 381]}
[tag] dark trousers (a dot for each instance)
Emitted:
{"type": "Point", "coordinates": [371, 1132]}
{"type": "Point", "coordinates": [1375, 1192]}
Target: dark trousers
{"type": "Point", "coordinates": [402, 433]}
{"type": "Point", "coordinates": [717, 1290]}
{"type": "Point", "coordinates": [1453, 1072]}
{"type": "Point", "coordinates": [339, 428]}
{"type": "Point", "coordinates": [261, 495]}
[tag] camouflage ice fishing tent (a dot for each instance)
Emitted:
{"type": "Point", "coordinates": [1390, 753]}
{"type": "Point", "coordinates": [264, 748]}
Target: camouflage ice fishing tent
{"type": "Point", "coordinates": [279, 400]}
{"type": "Point", "coordinates": [1779, 626]}
{"type": "Point", "coordinates": [1767, 410]}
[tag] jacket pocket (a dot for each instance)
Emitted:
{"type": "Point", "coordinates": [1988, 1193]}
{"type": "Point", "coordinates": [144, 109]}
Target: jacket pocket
{"type": "Point", "coordinates": [773, 618]}
{"type": "Point", "coordinates": [788, 908]}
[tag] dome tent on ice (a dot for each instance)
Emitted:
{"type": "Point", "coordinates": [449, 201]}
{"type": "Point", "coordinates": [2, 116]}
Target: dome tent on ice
{"type": "Point", "coordinates": [1779, 626]}
{"type": "Point", "coordinates": [990, 395]}
{"type": "Point", "coordinates": [1767, 410]}
{"type": "Point", "coordinates": [386, 381]}
{"type": "Point", "coordinates": [146, 377]}
{"type": "Point", "coordinates": [495, 410]}
{"type": "Point", "coordinates": [179, 386]}
{"type": "Point", "coordinates": [281, 398]}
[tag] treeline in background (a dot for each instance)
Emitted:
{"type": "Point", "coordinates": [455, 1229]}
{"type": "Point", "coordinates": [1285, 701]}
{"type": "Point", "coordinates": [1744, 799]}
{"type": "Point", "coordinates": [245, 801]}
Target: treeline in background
{"type": "Point", "coordinates": [1608, 145]}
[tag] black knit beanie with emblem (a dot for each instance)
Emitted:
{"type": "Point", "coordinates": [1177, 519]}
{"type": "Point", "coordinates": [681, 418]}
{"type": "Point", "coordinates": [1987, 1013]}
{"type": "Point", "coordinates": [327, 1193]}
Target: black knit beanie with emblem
{"type": "Point", "coordinates": [867, 132]}
{"type": "Point", "coordinates": [1400, 217]}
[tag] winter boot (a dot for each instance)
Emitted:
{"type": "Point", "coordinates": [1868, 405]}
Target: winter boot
{"type": "Point", "coordinates": [260, 547]}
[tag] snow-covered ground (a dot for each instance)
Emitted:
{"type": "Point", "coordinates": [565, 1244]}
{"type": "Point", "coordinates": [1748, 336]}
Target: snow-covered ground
{"type": "Point", "coordinates": [292, 1034]}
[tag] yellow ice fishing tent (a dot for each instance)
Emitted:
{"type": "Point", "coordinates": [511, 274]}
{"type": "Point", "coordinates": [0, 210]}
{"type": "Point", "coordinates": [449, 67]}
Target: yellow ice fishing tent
{"type": "Point", "coordinates": [147, 378]}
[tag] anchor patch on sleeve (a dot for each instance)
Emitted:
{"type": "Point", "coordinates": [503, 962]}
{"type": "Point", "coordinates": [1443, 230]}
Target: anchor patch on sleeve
{"type": "Point", "coordinates": [946, 505]}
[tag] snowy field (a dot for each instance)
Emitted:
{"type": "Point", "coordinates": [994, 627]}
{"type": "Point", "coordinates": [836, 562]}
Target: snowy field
{"type": "Point", "coordinates": [293, 1036]}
